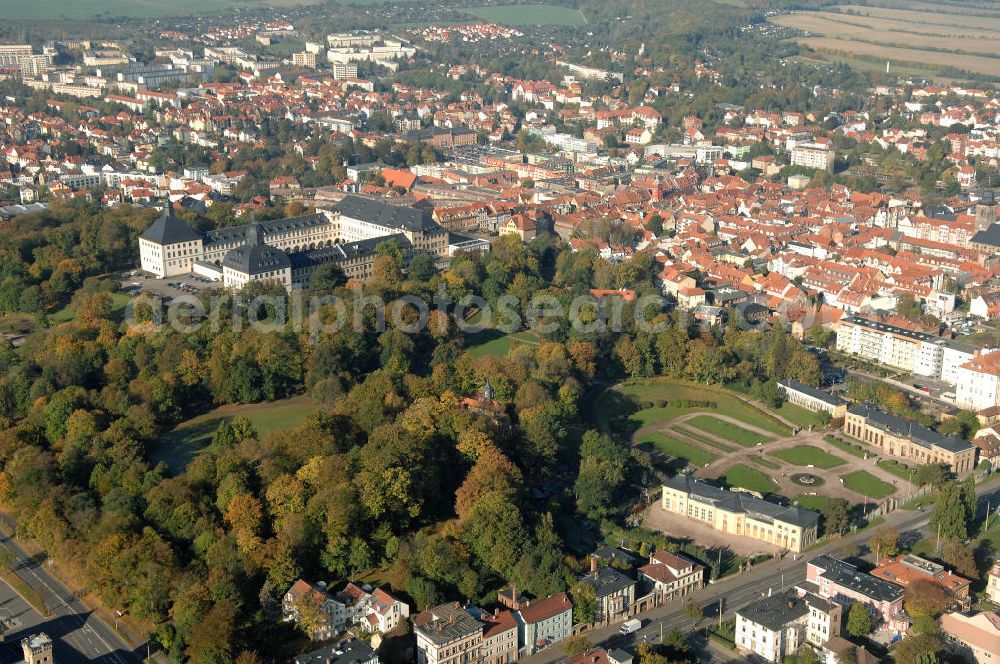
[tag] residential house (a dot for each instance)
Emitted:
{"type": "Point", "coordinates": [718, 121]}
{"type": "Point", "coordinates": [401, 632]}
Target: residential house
{"type": "Point", "coordinates": [993, 583]}
{"type": "Point", "coordinates": [351, 651]}
{"type": "Point", "coordinates": [671, 575]}
{"type": "Point", "coordinates": [777, 626]}
{"type": "Point", "coordinates": [447, 634]}
{"type": "Point", "coordinates": [544, 622]}
{"type": "Point", "coordinates": [332, 612]}
{"type": "Point", "coordinates": [614, 590]}
{"type": "Point", "coordinates": [600, 656]}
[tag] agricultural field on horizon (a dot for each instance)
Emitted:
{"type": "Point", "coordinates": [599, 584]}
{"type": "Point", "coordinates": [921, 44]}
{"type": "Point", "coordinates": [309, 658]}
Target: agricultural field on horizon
{"type": "Point", "coordinates": [914, 37]}
{"type": "Point", "coordinates": [54, 10]}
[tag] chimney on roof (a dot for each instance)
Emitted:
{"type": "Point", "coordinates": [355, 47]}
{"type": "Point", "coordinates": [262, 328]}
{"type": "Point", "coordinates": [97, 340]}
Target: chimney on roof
{"type": "Point", "coordinates": [593, 564]}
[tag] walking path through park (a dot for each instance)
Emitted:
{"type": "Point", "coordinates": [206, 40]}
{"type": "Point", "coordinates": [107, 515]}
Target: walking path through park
{"type": "Point", "coordinates": [781, 471]}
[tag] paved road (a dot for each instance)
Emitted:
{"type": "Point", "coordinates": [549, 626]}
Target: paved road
{"type": "Point", "coordinates": [79, 634]}
{"type": "Point", "coordinates": [734, 592]}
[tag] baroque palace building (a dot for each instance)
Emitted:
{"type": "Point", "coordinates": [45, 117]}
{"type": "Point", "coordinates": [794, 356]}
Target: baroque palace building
{"type": "Point", "coordinates": [287, 251]}
{"type": "Point", "coordinates": [793, 528]}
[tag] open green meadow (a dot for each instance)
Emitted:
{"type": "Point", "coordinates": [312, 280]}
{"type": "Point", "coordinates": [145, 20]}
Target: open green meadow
{"type": "Point", "coordinates": [748, 478]}
{"type": "Point", "coordinates": [693, 455]}
{"type": "Point", "coordinates": [529, 15]}
{"type": "Point", "coordinates": [189, 438]}
{"type": "Point", "coordinates": [867, 484]}
{"type": "Point", "coordinates": [726, 430]}
{"type": "Point", "coordinates": [815, 503]}
{"type": "Point", "coordinates": [807, 455]}
{"type": "Point", "coordinates": [635, 404]}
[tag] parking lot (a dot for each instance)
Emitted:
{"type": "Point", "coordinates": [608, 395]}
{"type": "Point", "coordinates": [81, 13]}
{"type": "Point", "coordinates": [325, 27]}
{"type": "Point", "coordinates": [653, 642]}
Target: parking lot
{"type": "Point", "coordinates": [135, 283]}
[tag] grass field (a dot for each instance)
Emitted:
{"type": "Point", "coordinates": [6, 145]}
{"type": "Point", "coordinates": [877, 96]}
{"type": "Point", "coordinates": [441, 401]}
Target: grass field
{"type": "Point", "coordinates": [799, 415]}
{"type": "Point", "coordinates": [496, 343]}
{"type": "Point", "coordinates": [853, 450]}
{"type": "Point", "coordinates": [900, 470]}
{"type": "Point", "coordinates": [627, 406]}
{"type": "Point", "coordinates": [909, 35]}
{"type": "Point", "coordinates": [726, 430]}
{"type": "Point", "coordinates": [748, 478]}
{"type": "Point", "coordinates": [677, 449]}
{"type": "Point", "coordinates": [529, 15]}
{"type": "Point", "coordinates": [68, 9]}
{"type": "Point", "coordinates": [702, 438]}
{"type": "Point", "coordinates": [807, 455]}
{"type": "Point", "coordinates": [188, 439]}
{"type": "Point", "coordinates": [816, 503]}
{"type": "Point", "coordinates": [866, 484]}
{"type": "Point", "coordinates": [119, 301]}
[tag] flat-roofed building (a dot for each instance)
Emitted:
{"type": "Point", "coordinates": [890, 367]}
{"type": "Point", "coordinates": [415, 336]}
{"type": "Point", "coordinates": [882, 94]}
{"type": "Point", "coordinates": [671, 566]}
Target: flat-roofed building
{"type": "Point", "coordinates": [907, 569]}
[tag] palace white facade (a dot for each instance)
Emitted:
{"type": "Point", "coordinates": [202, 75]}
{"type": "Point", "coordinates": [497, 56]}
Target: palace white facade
{"type": "Point", "coordinates": [286, 251]}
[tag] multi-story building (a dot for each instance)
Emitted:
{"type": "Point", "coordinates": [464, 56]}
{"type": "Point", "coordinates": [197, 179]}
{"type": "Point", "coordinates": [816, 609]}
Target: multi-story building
{"type": "Point", "coordinates": [973, 638]}
{"type": "Point", "coordinates": [542, 623]}
{"type": "Point", "coordinates": [907, 569]}
{"type": "Point", "coordinates": [447, 634]}
{"type": "Point", "coordinates": [342, 70]}
{"type": "Point", "coordinates": [500, 632]}
{"type": "Point", "coordinates": [37, 649]}
{"type": "Point", "coordinates": [374, 610]}
{"type": "Point", "coordinates": [740, 514]}
{"type": "Point", "coordinates": [993, 583]}
{"type": "Point", "coordinates": [845, 584]}
{"type": "Point", "coordinates": [351, 651]}
{"type": "Point", "coordinates": [916, 352]}
{"type": "Point", "coordinates": [287, 251]}
{"type": "Point", "coordinates": [21, 57]}
{"type": "Point", "coordinates": [812, 399]}
{"type": "Point", "coordinates": [332, 612]}
{"type": "Point", "coordinates": [672, 575]}
{"type": "Point", "coordinates": [977, 385]}
{"type": "Point", "coordinates": [304, 59]}
{"type": "Point", "coordinates": [905, 439]}
{"type": "Point", "coordinates": [813, 155]}
{"type": "Point", "coordinates": [777, 626]}
{"type": "Point", "coordinates": [615, 591]}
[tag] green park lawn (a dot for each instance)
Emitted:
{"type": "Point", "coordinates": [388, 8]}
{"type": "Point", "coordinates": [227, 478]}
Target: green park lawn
{"type": "Point", "coordinates": [633, 404]}
{"type": "Point", "coordinates": [843, 446]}
{"type": "Point", "coordinates": [815, 503]}
{"type": "Point", "coordinates": [702, 438]}
{"type": "Point", "coordinates": [189, 438]}
{"type": "Point", "coordinates": [866, 484]}
{"type": "Point", "coordinates": [726, 430]}
{"type": "Point", "coordinates": [799, 415]}
{"type": "Point", "coordinates": [807, 455]}
{"type": "Point", "coordinates": [748, 478]}
{"type": "Point", "coordinates": [692, 454]}
{"type": "Point", "coordinates": [496, 343]}
{"type": "Point", "coordinates": [900, 470]}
